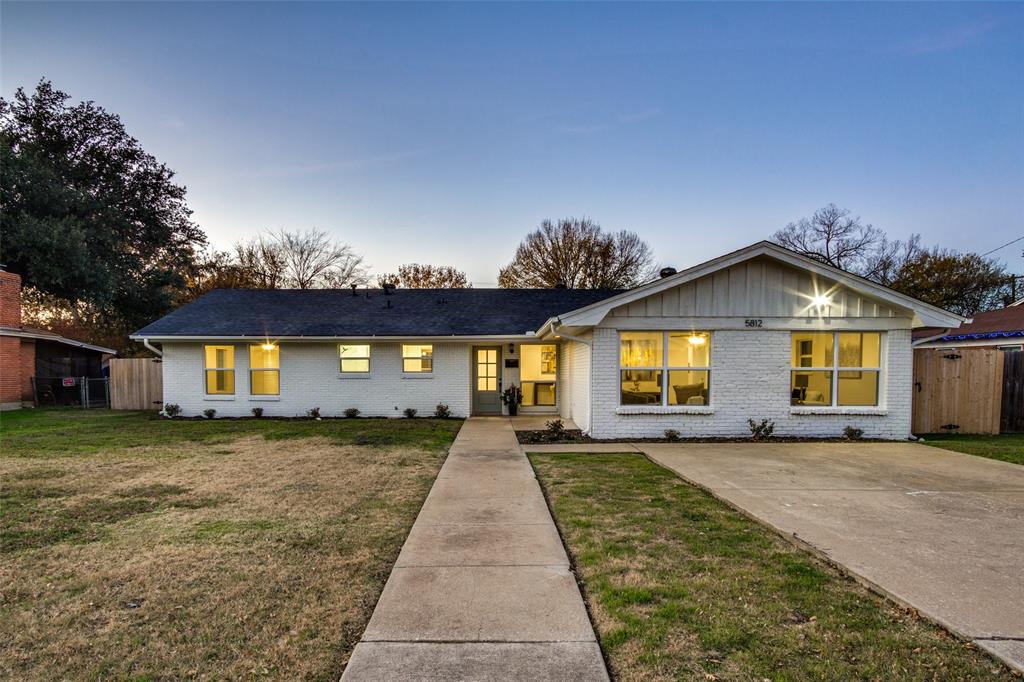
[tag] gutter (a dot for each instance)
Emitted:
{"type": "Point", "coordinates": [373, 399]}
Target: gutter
{"type": "Point", "coordinates": [147, 344]}
{"type": "Point", "coordinates": [577, 339]}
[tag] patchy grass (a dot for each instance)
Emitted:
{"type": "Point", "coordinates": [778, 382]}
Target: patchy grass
{"type": "Point", "coordinates": [70, 431]}
{"type": "Point", "coordinates": [1007, 447]}
{"type": "Point", "coordinates": [681, 586]}
{"type": "Point", "coordinates": [218, 550]}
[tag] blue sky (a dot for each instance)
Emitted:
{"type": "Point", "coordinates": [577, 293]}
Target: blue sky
{"type": "Point", "coordinates": [444, 132]}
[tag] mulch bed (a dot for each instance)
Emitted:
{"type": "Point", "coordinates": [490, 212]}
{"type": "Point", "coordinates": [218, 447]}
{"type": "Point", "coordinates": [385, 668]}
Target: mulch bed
{"type": "Point", "coordinates": [537, 437]}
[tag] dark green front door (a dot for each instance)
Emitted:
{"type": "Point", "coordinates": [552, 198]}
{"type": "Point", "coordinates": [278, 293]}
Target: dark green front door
{"type": "Point", "coordinates": [487, 380]}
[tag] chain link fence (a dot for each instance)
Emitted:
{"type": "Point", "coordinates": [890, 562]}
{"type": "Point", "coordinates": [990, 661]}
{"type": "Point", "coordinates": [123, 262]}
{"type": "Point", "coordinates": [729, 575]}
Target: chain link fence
{"type": "Point", "coordinates": [82, 392]}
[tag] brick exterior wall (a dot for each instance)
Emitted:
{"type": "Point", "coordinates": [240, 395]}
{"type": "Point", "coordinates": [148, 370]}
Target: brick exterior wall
{"type": "Point", "coordinates": [12, 366]}
{"type": "Point", "coordinates": [574, 357]}
{"type": "Point", "coordinates": [28, 368]}
{"type": "Point", "coordinates": [750, 380]}
{"type": "Point", "coordinates": [310, 377]}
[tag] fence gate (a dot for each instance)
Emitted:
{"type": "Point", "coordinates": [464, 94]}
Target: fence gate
{"type": "Point", "coordinates": [957, 391]}
{"type": "Point", "coordinates": [136, 384]}
{"type": "Point", "coordinates": [1013, 393]}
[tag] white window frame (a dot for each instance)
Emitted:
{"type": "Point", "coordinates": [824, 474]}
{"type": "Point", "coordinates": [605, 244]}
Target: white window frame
{"type": "Point", "coordinates": [664, 368]}
{"type": "Point", "coordinates": [253, 370]}
{"type": "Point", "coordinates": [417, 357]}
{"type": "Point", "coordinates": [835, 369]}
{"type": "Point", "coordinates": [207, 369]}
{"type": "Point", "coordinates": [368, 357]}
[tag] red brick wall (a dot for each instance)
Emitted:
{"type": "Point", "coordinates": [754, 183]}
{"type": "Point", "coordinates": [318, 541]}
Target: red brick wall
{"type": "Point", "coordinates": [10, 299]}
{"type": "Point", "coordinates": [10, 369]}
{"type": "Point", "coordinates": [12, 362]}
{"type": "Point", "coordinates": [28, 368]}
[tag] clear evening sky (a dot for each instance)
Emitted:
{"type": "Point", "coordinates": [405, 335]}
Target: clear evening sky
{"type": "Point", "coordinates": [442, 133]}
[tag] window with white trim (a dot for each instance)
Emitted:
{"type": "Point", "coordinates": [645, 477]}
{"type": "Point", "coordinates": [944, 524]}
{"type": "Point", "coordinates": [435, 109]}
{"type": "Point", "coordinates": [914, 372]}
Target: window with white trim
{"type": "Point", "coordinates": [417, 357]}
{"type": "Point", "coordinates": [264, 369]}
{"type": "Point", "coordinates": [219, 368]}
{"type": "Point", "coordinates": [354, 358]}
{"type": "Point", "coordinates": [665, 368]}
{"type": "Point", "coordinates": [836, 369]}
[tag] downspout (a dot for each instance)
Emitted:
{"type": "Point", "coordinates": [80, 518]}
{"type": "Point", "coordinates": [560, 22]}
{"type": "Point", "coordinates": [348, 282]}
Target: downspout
{"type": "Point", "coordinates": [590, 382]}
{"type": "Point", "coordinates": [147, 344]}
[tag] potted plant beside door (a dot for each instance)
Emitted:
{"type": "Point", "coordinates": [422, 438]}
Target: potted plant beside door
{"type": "Point", "coordinates": [513, 398]}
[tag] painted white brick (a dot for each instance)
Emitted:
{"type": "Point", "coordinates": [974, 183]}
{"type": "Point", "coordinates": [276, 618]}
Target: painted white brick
{"type": "Point", "coordinates": [310, 377]}
{"type": "Point", "coordinates": [750, 380]}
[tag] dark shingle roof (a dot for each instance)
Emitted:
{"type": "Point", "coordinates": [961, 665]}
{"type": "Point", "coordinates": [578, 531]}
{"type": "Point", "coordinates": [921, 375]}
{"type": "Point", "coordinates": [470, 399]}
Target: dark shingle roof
{"type": "Point", "coordinates": [336, 312]}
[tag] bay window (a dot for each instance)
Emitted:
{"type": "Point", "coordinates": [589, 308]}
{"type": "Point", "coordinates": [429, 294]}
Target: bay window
{"type": "Point", "coordinates": [219, 368]}
{"type": "Point", "coordinates": [665, 368]}
{"type": "Point", "coordinates": [264, 369]}
{"type": "Point", "coordinates": [835, 368]}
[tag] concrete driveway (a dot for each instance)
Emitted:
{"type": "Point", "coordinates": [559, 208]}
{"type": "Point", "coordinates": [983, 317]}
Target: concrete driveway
{"type": "Point", "coordinates": [937, 530]}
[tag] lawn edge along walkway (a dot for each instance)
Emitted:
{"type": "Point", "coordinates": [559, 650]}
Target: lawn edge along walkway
{"type": "Point", "coordinates": [482, 588]}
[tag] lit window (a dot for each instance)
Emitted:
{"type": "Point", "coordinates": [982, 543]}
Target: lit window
{"type": "Point", "coordinates": [835, 368]}
{"type": "Point", "coordinates": [264, 369]}
{"type": "Point", "coordinates": [538, 368]}
{"type": "Point", "coordinates": [220, 370]}
{"type": "Point", "coordinates": [417, 358]}
{"type": "Point", "coordinates": [355, 359]}
{"type": "Point", "coordinates": [664, 368]}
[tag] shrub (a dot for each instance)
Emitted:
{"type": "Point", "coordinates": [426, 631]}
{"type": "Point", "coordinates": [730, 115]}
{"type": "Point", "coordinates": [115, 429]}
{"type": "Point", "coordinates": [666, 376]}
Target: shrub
{"type": "Point", "coordinates": [257, 412]}
{"type": "Point", "coordinates": [762, 431]}
{"type": "Point", "coordinates": [853, 433]}
{"type": "Point", "coordinates": [314, 413]}
{"type": "Point", "coordinates": [409, 412]}
{"type": "Point", "coordinates": [172, 410]}
{"type": "Point", "coordinates": [209, 413]}
{"type": "Point", "coordinates": [352, 412]}
{"type": "Point", "coordinates": [555, 428]}
{"type": "Point", "coordinates": [442, 411]}
{"type": "Point", "coordinates": [672, 435]}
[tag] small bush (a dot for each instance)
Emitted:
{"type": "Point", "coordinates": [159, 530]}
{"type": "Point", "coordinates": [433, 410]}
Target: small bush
{"type": "Point", "coordinates": [762, 431]}
{"type": "Point", "coordinates": [853, 433]}
{"type": "Point", "coordinates": [172, 410]}
{"type": "Point", "coordinates": [209, 413]}
{"type": "Point", "coordinates": [314, 413]}
{"type": "Point", "coordinates": [409, 412]}
{"type": "Point", "coordinates": [352, 412]}
{"type": "Point", "coordinates": [442, 411]}
{"type": "Point", "coordinates": [257, 412]}
{"type": "Point", "coordinates": [672, 435]}
{"type": "Point", "coordinates": [555, 428]}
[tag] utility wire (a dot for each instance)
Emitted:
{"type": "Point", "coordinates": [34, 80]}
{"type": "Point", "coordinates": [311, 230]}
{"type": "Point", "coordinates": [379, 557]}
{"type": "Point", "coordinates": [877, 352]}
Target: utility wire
{"type": "Point", "coordinates": [1003, 246]}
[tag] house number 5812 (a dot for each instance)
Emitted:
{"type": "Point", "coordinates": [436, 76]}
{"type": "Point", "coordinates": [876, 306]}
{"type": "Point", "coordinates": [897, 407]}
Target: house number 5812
{"type": "Point", "coordinates": [753, 323]}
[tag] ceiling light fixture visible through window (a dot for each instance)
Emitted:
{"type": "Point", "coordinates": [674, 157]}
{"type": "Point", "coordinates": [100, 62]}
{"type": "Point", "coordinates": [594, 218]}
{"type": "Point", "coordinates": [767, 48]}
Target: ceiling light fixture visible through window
{"type": "Point", "coordinates": [696, 340]}
{"type": "Point", "coordinates": [268, 346]}
{"type": "Point", "coordinates": [820, 301]}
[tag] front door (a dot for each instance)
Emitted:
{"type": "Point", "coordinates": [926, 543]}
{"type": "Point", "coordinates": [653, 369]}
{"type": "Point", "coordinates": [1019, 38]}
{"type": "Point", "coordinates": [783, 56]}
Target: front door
{"type": "Point", "coordinates": [486, 380]}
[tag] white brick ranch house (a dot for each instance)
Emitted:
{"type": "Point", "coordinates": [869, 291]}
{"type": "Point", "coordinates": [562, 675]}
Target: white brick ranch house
{"type": "Point", "coordinates": [761, 333]}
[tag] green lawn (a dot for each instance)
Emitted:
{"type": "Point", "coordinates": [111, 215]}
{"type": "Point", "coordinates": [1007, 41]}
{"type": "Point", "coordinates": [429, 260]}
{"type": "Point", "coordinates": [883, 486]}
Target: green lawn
{"type": "Point", "coordinates": [1008, 447]}
{"type": "Point", "coordinates": [70, 431]}
{"type": "Point", "coordinates": [681, 586]}
{"type": "Point", "coordinates": [134, 548]}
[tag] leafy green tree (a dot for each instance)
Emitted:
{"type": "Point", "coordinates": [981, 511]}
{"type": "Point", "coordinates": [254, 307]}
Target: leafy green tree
{"type": "Point", "coordinates": [963, 283]}
{"type": "Point", "coordinates": [90, 220]}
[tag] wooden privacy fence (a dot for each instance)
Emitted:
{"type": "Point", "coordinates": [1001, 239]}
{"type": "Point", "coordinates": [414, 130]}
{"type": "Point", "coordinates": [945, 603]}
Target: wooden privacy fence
{"type": "Point", "coordinates": [136, 384]}
{"type": "Point", "coordinates": [1013, 393]}
{"type": "Point", "coordinates": [957, 391]}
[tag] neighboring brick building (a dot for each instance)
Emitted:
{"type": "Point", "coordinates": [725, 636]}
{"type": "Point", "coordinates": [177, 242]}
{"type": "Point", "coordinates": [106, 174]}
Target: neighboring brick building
{"type": "Point", "coordinates": [26, 353]}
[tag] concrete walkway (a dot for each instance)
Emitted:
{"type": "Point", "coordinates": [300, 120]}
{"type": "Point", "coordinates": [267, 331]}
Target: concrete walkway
{"type": "Point", "coordinates": [482, 588]}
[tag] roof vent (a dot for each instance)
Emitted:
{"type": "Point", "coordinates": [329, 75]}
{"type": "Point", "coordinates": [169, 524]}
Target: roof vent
{"type": "Point", "coordinates": [667, 272]}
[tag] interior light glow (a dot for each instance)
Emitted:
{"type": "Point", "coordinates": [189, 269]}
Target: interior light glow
{"type": "Point", "coordinates": [697, 340]}
{"type": "Point", "coordinates": [268, 346]}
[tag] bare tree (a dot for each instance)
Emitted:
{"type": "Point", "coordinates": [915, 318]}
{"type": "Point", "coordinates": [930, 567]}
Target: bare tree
{"type": "Point", "coordinates": [577, 253]}
{"type": "Point", "coordinates": [419, 276]}
{"type": "Point", "coordinates": [835, 237]}
{"type": "Point", "coordinates": [962, 283]}
{"type": "Point", "coordinates": [301, 260]}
